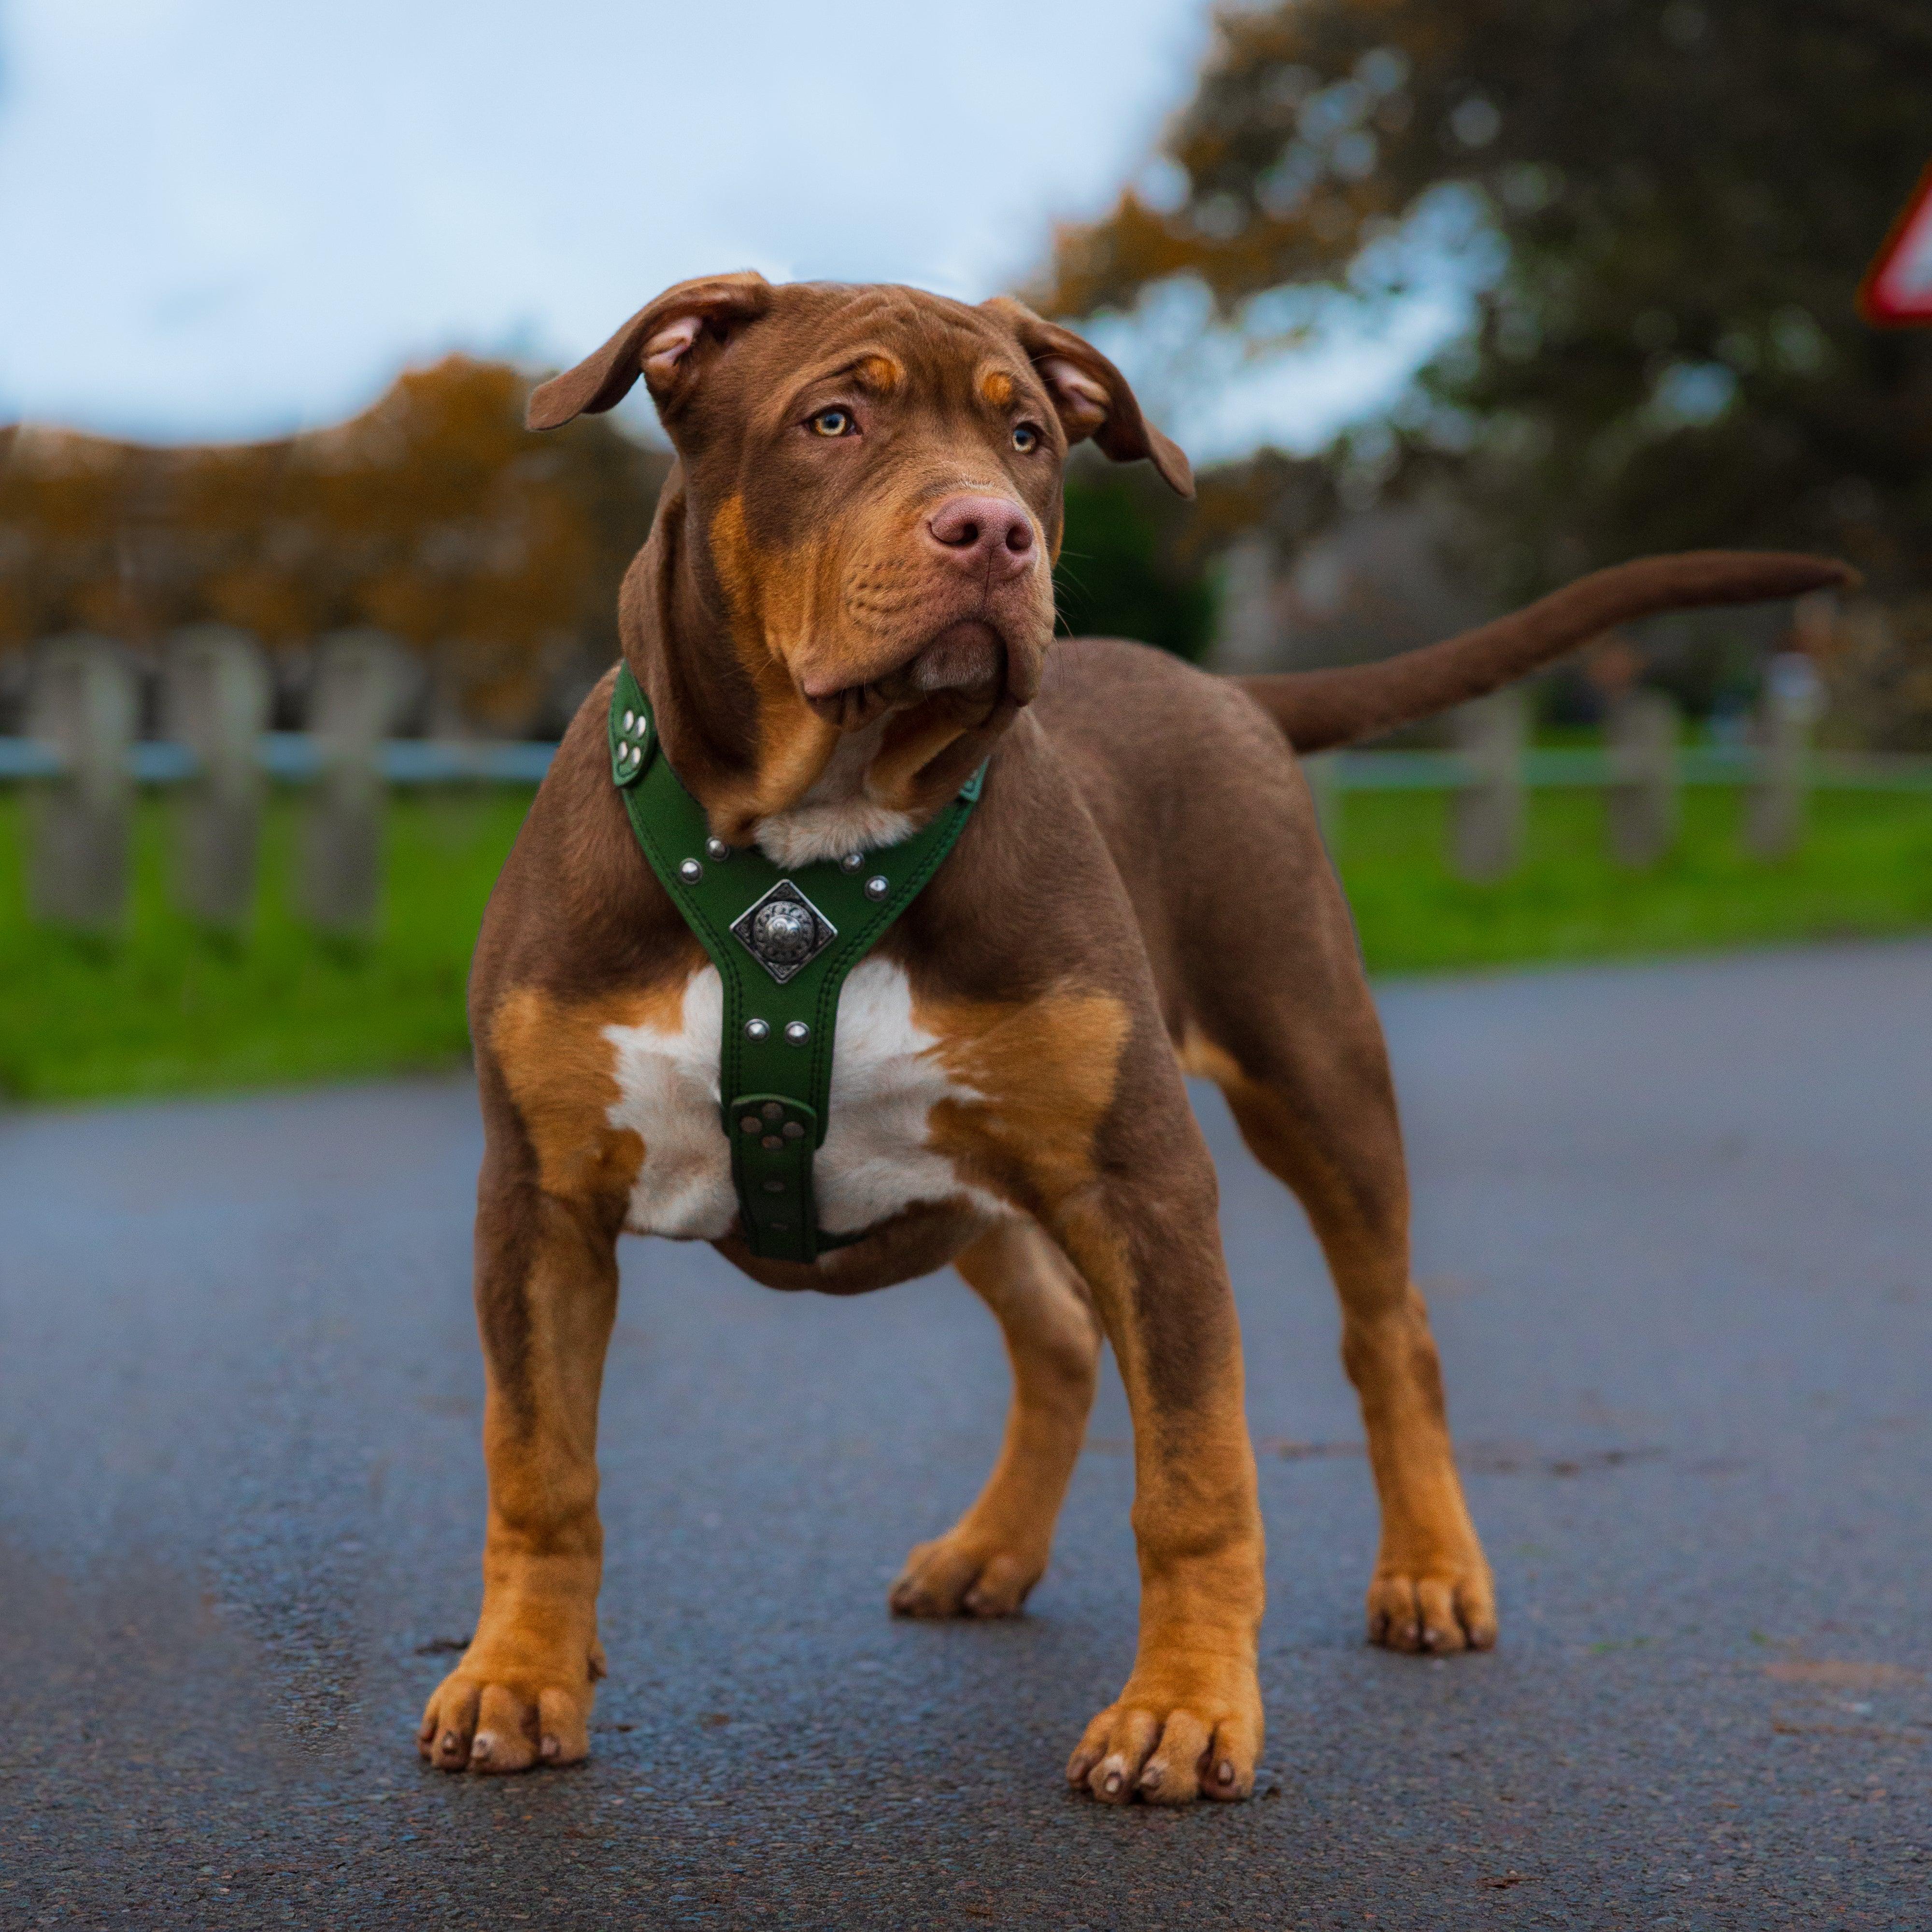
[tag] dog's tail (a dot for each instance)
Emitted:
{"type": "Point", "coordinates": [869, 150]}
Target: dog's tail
{"type": "Point", "coordinates": [1319, 709]}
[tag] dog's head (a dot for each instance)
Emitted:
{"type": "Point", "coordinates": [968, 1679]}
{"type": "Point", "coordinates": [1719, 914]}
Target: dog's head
{"type": "Point", "coordinates": [872, 479]}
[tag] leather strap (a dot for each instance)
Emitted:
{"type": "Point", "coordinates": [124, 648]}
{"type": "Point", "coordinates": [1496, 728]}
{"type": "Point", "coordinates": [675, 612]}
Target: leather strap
{"type": "Point", "coordinates": [783, 941]}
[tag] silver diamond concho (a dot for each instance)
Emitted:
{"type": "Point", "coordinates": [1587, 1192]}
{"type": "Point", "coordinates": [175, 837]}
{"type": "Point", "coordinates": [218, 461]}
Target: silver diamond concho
{"type": "Point", "coordinates": [784, 932]}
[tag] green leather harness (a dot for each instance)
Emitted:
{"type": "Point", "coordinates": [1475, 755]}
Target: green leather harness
{"type": "Point", "coordinates": [783, 942]}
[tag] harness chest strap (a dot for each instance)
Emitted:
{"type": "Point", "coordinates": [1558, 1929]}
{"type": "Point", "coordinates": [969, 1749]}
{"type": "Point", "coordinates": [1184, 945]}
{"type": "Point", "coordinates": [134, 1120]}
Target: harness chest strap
{"type": "Point", "coordinates": [783, 942]}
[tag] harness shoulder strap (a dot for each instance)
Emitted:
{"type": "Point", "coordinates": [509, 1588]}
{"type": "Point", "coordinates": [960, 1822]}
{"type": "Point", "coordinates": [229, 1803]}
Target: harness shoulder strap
{"type": "Point", "coordinates": [783, 942]}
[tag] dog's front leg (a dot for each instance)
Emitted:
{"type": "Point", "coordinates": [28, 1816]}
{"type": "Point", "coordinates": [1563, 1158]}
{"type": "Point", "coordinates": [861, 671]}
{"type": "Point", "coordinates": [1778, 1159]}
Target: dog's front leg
{"type": "Point", "coordinates": [546, 1297]}
{"type": "Point", "coordinates": [1188, 1722]}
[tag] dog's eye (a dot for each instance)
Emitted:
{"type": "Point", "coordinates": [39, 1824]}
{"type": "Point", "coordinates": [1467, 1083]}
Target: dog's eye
{"type": "Point", "coordinates": [1026, 439]}
{"type": "Point", "coordinates": [833, 422]}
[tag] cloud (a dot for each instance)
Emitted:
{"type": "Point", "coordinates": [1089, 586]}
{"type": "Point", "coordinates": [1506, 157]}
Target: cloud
{"type": "Point", "coordinates": [222, 219]}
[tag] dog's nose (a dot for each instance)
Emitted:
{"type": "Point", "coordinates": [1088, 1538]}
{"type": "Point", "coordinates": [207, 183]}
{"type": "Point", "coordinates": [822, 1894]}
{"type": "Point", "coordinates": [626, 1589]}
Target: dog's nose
{"type": "Point", "coordinates": [976, 531]}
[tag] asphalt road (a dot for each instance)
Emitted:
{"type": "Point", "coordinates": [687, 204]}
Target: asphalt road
{"type": "Point", "coordinates": [1675, 1223]}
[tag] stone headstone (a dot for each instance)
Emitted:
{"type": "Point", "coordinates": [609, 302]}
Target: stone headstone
{"type": "Point", "coordinates": [83, 701]}
{"type": "Point", "coordinates": [358, 685]}
{"type": "Point", "coordinates": [215, 700]}
{"type": "Point", "coordinates": [1641, 734]}
{"type": "Point", "coordinates": [1774, 816]}
{"type": "Point", "coordinates": [1485, 814]}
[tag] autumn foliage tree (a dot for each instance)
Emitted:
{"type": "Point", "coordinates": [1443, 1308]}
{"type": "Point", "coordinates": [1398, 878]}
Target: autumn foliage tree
{"type": "Point", "coordinates": [434, 516]}
{"type": "Point", "coordinates": [1667, 206]}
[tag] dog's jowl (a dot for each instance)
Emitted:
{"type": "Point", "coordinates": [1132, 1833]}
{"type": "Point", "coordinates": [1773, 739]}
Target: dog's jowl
{"type": "Point", "coordinates": [860, 928]}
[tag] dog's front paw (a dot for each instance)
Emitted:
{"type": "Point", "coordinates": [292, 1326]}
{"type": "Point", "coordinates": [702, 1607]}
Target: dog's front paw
{"type": "Point", "coordinates": [509, 1706]}
{"type": "Point", "coordinates": [1186, 1727]}
{"type": "Point", "coordinates": [1435, 1608]}
{"type": "Point", "coordinates": [963, 1574]}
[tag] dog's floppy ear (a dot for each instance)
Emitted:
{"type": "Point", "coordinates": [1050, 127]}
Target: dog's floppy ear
{"type": "Point", "coordinates": [661, 342]}
{"type": "Point", "coordinates": [1090, 396]}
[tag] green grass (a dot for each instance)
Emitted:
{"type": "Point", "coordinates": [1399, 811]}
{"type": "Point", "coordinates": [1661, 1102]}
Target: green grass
{"type": "Point", "coordinates": [1865, 869]}
{"type": "Point", "coordinates": [168, 1008]}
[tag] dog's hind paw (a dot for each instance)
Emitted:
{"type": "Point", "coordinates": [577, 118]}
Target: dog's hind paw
{"type": "Point", "coordinates": [1436, 1613]}
{"type": "Point", "coordinates": [959, 1575]}
{"type": "Point", "coordinates": [485, 1717]}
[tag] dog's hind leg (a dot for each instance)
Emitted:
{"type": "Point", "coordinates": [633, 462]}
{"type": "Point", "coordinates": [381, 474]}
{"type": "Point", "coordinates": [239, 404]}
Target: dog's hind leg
{"type": "Point", "coordinates": [1290, 1034]}
{"type": "Point", "coordinates": [986, 1563]}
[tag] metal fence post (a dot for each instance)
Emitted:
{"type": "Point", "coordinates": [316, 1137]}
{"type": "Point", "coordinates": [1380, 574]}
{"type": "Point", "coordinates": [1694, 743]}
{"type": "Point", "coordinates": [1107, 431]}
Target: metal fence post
{"type": "Point", "coordinates": [1485, 814]}
{"type": "Point", "coordinates": [1774, 819]}
{"type": "Point", "coordinates": [357, 684]}
{"type": "Point", "coordinates": [1641, 734]}
{"type": "Point", "coordinates": [215, 700]}
{"type": "Point", "coordinates": [83, 701]}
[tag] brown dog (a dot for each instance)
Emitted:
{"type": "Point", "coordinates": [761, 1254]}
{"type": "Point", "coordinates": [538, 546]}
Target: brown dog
{"type": "Point", "coordinates": [844, 605]}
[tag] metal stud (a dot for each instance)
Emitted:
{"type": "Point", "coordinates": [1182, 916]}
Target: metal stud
{"type": "Point", "coordinates": [797, 1032]}
{"type": "Point", "coordinates": [877, 885]}
{"type": "Point", "coordinates": [774, 1186]}
{"type": "Point", "coordinates": [750, 1124]}
{"type": "Point", "coordinates": [691, 871]}
{"type": "Point", "coordinates": [717, 850]}
{"type": "Point", "coordinates": [758, 1030]}
{"type": "Point", "coordinates": [784, 932]}
{"type": "Point", "coordinates": [771, 1143]}
{"type": "Point", "coordinates": [851, 862]}
{"type": "Point", "coordinates": [630, 721]}
{"type": "Point", "coordinates": [793, 1131]}
{"type": "Point", "coordinates": [773, 1110]}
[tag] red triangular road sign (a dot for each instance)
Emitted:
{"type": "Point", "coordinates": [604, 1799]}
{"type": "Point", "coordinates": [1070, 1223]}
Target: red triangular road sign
{"type": "Point", "coordinates": [1897, 287]}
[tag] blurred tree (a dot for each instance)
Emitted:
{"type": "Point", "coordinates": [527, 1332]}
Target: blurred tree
{"type": "Point", "coordinates": [1125, 569]}
{"type": "Point", "coordinates": [1678, 200]}
{"type": "Point", "coordinates": [1880, 676]}
{"type": "Point", "coordinates": [1136, 562]}
{"type": "Point", "coordinates": [434, 514]}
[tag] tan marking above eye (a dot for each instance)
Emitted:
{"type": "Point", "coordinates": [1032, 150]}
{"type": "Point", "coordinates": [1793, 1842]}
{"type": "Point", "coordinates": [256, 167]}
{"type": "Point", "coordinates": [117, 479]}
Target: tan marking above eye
{"type": "Point", "coordinates": [879, 373]}
{"type": "Point", "coordinates": [996, 386]}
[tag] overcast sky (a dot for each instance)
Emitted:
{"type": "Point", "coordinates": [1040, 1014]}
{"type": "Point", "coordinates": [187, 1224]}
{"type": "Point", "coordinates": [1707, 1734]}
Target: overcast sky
{"type": "Point", "coordinates": [223, 218]}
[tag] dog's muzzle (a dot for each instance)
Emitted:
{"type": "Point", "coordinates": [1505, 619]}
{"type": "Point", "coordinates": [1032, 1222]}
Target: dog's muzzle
{"type": "Point", "coordinates": [970, 657]}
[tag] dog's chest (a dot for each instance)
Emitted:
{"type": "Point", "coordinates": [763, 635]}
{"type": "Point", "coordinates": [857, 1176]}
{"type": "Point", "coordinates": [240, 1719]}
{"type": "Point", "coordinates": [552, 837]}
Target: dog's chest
{"type": "Point", "coordinates": [886, 1079]}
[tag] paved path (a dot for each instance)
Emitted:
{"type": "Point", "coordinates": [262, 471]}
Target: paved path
{"type": "Point", "coordinates": [1676, 1225]}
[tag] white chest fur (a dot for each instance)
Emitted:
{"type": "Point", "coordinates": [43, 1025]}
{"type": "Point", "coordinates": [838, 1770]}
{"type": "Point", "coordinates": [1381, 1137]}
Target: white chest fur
{"type": "Point", "coordinates": [887, 1077]}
